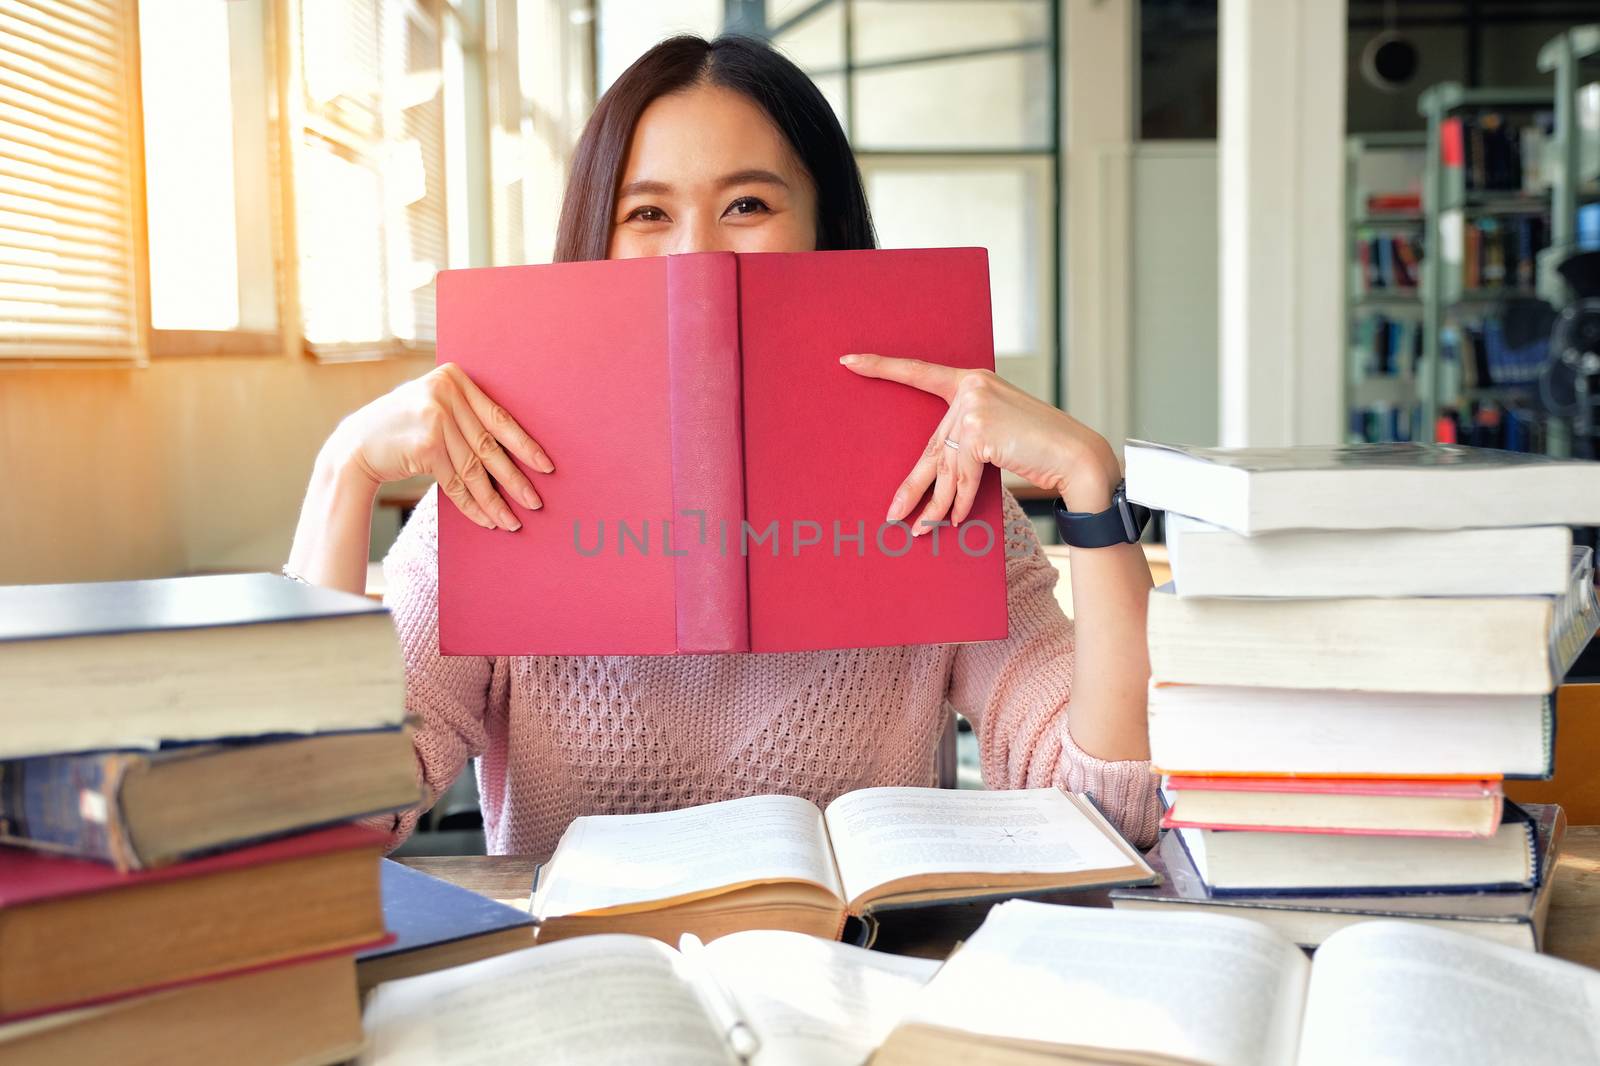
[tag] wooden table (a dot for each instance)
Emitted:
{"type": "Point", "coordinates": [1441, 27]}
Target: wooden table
{"type": "Point", "coordinates": [1574, 931]}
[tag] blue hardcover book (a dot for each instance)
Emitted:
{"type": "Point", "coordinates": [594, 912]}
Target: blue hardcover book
{"type": "Point", "coordinates": [1243, 862]}
{"type": "Point", "coordinates": [1514, 918]}
{"type": "Point", "coordinates": [437, 925]}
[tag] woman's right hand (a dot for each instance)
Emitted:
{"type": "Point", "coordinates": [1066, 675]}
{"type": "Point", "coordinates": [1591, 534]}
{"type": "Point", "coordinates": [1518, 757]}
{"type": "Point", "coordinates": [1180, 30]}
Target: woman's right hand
{"type": "Point", "coordinates": [443, 425]}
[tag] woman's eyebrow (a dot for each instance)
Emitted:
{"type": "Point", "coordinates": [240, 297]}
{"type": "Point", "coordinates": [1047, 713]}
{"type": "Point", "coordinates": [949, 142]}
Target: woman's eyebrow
{"type": "Point", "coordinates": [751, 177]}
{"type": "Point", "coordinates": [644, 187]}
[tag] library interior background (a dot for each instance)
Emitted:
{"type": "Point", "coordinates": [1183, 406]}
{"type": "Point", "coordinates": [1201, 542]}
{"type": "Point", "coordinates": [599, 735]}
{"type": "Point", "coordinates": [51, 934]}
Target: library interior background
{"type": "Point", "coordinates": [1230, 222]}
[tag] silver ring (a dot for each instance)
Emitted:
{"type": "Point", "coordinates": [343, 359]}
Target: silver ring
{"type": "Point", "coordinates": [952, 443]}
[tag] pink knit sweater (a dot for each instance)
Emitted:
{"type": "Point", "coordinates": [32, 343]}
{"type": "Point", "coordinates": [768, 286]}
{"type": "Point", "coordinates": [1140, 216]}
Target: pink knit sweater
{"type": "Point", "coordinates": [556, 737]}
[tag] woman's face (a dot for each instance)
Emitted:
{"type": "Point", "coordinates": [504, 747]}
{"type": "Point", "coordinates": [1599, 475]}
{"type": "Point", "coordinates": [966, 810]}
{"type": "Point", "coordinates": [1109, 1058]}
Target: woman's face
{"type": "Point", "coordinates": [707, 171]}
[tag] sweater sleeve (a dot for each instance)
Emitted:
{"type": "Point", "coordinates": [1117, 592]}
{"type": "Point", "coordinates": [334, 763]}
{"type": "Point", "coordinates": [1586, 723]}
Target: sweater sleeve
{"type": "Point", "coordinates": [1017, 692]}
{"type": "Point", "coordinates": [446, 697]}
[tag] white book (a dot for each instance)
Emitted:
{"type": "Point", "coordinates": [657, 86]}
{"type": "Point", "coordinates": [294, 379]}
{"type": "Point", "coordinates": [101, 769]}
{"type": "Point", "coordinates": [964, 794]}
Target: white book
{"type": "Point", "coordinates": [1039, 983]}
{"type": "Point", "coordinates": [1363, 486]}
{"type": "Point", "coordinates": [1209, 560]}
{"type": "Point", "coordinates": [1480, 645]}
{"type": "Point", "coordinates": [618, 998]}
{"type": "Point", "coordinates": [1224, 729]}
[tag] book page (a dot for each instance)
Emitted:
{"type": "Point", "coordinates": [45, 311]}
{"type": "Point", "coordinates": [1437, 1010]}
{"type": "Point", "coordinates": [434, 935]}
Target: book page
{"type": "Point", "coordinates": [613, 860]}
{"type": "Point", "coordinates": [815, 1002]}
{"type": "Point", "coordinates": [589, 999]}
{"type": "Point", "coordinates": [1389, 992]}
{"type": "Point", "coordinates": [1198, 987]}
{"type": "Point", "coordinates": [883, 834]}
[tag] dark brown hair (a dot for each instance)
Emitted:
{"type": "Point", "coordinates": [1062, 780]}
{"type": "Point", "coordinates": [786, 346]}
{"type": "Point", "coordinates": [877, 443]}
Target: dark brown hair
{"type": "Point", "coordinates": [745, 65]}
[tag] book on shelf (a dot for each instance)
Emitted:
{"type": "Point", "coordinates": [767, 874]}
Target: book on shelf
{"type": "Point", "coordinates": [1363, 486]}
{"type": "Point", "coordinates": [1261, 862]}
{"type": "Point", "coordinates": [126, 664]}
{"type": "Point", "coordinates": [1399, 807]}
{"type": "Point", "coordinates": [1211, 561]}
{"type": "Point", "coordinates": [1038, 983]}
{"type": "Point", "coordinates": [1235, 730]}
{"type": "Point", "coordinates": [617, 998]}
{"type": "Point", "coordinates": [305, 1012]}
{"type": "Point", "coordinates": [137, 809]}
{"type": "Point", "coordinates": [74, 932]}
{"type": "Point", "coordinates": [738, 534]}
{"type": "Point", "coordinates": [1516, 919]}
{"type": "Point", "coordinates": [1505, 645]}
{"type": "Point", "coordinates": [778, 862]}
{"type": "Point", "coordinates": [437, 925]}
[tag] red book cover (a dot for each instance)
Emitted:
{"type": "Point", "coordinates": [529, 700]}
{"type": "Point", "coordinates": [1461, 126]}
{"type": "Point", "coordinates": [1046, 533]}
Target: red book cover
{"type": "Point", "coordinates": [28, 876]}
{"type": "Point", "coordinates": [721, 480]}
{"type": "Point", "coordinates": [1452, 143]}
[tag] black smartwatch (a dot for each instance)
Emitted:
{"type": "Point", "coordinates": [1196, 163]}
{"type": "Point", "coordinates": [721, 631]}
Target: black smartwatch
{"type": "Point", "coordinates": [1121, 523]}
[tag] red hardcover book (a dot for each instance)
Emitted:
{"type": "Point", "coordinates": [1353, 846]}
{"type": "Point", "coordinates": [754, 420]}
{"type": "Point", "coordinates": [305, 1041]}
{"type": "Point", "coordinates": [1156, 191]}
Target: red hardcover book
{"type": "Point", "coordinates": [1452, 143]}
{"type": "Point", "coordinates": [721, 480]}
{"type": "Point", "coordinates": [1366, 806]}
{"type": "Point", "coordinates": [74, 932]}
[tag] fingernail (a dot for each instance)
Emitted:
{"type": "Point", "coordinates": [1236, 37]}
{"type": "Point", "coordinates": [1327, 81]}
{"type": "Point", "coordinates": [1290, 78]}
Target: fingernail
{"type": "Point", "coordinates": [894, 510]}
{"type": "Point", "coordinates": [510, 522]}
{"type": "Point", "coordinates": [545, 466]}
{"type": "Point", "coordinates": [849, 359]}
{"type": "Point", "coordinates": [529, 500]}
{"type": "Point", "coordinates": [534, 503]}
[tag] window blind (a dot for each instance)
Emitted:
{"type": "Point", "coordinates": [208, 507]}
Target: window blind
{"type": "Point", "coordinates": [71, 223]}
{"type": "Point", "coordinates": [369, 186]}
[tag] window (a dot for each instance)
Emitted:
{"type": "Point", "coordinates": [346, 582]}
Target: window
{"type": "Point", "coordinates": [951, 106]}
{"type": "Point", "coordinates": [209, 177]}
{"type": "Point", "coordinates": [71, 276]}
{"type": "Point", "coordinates": [369, 173]}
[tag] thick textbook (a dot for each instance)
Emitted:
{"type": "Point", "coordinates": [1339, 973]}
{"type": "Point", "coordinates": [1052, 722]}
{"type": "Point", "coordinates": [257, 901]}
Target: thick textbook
{"type": "Point", "coordinates": [1256, 862]}
{"type": "Point", "coordinates": [127, 664]}
{"type": "Point", "coordinates": [617, 998]}
{"type": "Point", "coordinates": [302, 1012]}
{"type": "Point", "coordinates": [74, 932]}
{"type": "Point", "coordinates": [1208, 560]}
{"type": "Point", "coordinates": [437, 925]}
{"type": "Point", "coordinates": [721, 481]}
{"type": "Point", "coordinates": [1211, 990]}
{"type": "Point", "coordinates": [778, 862]}
{"type": "Point", "coordinates": [1385, 806]}
{"type": "Point", "coordinates": [1516, 919]}
{"type": "Point", "coordinates": [1505, 645]}
{"type": "Point", "coordinates": [1363, 486]}
{"type": "Point", "coordinates": [1264, 732]}
{"type": "Point", "coordinates": [144, 809]}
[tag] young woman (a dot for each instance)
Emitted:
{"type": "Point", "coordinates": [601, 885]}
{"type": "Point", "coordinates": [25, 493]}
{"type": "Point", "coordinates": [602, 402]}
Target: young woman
{"type": "Point", "coordinates": [728, 146]}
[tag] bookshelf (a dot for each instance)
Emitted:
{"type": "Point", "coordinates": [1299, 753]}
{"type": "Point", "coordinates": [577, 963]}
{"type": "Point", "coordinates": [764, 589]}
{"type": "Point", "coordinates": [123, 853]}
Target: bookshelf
{"type": "Point", "coordinates": [1487, 213]}
{"type": "Point", "coordinates": [1383, 306]}
{"type": "Point", "coordinates": [1573, 58]}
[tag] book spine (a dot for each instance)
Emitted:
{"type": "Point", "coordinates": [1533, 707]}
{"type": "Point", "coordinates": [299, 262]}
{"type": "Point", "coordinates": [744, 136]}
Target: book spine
{"type": "Point", "coordinates": [69, 804]}
{"type": "Point", "coordinates": [706, 398]}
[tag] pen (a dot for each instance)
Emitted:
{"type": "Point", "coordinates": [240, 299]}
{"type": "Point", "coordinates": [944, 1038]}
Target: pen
{"type": "Point", "coordinates": [741, 1038]}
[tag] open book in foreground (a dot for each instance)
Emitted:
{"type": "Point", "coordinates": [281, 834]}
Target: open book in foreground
{"type": "Point", "coordinates": [604, 999]}
{"type": "Point", "coordinates": [777, 862]}
{"type": "Point", "coordinates": [1040, 983]}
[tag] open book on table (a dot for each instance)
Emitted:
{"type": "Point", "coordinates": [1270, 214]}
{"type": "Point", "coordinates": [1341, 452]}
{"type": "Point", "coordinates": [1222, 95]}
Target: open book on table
{"type": "Point", "coordinates": [777, 862]}
{"type": "Point", "coordinates": [606, 999]}
{"type": "Point", "coordinates": [1046, 984]}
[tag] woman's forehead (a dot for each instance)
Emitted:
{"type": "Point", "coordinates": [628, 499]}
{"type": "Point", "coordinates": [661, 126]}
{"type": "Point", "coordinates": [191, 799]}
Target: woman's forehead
{"type": "Point", "coordinates": [700, 136]}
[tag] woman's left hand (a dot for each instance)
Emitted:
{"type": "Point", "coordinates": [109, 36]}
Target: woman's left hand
{"type": "Point", "coordinates": [992, 421]}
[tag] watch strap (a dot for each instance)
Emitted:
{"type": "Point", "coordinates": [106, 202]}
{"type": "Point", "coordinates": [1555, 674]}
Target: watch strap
{"type": "Point", "coordinates": [1121, 523]}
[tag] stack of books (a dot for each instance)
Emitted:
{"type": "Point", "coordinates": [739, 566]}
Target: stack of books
{"type": "Point", "coordinates": [179, 770]}
{"type": "Point", "coordinates": [1358, 646]}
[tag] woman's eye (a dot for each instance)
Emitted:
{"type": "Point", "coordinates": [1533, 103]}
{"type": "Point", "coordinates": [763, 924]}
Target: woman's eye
{"type": "Point", "coordinates": [646, 214]}
{"type": "Point", "coordinates": [746, 205]}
